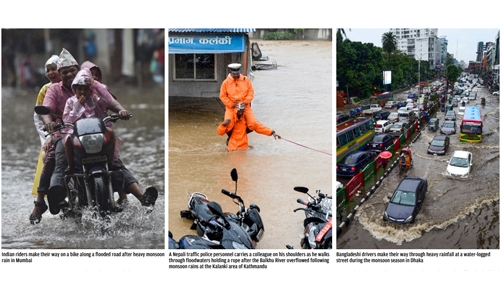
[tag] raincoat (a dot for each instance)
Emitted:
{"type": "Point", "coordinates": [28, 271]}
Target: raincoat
{"type": "Point", "coordinates": [96, 106]}
{"type": "Point", "coordinates": [90, 65]}
{"type": "Point", "coordinates": [39, 101]}
{"type": "Point", "coordinates": [238, 139]}
{"type": "Point", "coordinates": [237, 90]}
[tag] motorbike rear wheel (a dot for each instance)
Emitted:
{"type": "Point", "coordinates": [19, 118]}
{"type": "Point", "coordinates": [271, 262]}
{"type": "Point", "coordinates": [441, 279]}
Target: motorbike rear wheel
{"type": "Point", "coordinates": [101, 196]}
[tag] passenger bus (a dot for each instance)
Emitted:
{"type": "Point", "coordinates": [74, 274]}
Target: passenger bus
{"type": "Point", "coordinates": [353, 135]}
{"type": "Point", "coordinates": [381, 98]}
{"type": "Point", "coordinates": [471, 128]}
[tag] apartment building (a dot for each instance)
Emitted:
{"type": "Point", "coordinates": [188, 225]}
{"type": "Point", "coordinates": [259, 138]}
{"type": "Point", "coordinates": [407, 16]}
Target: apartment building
{"type": "Point", "coordinates": [421, 44]}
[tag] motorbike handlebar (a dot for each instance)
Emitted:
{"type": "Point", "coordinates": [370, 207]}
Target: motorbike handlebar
{"type": "Point", "coordinates": [303, 202]}
{"type": "Point", "coordinates": [228, 193]}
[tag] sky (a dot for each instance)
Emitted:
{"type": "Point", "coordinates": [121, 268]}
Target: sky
{"type": "Point", "coordinates": [462, 43]}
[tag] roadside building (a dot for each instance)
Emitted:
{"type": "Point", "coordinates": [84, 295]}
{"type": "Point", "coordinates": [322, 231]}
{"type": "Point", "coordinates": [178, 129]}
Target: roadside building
{"type": "Point", "coordinates": [198, 59]}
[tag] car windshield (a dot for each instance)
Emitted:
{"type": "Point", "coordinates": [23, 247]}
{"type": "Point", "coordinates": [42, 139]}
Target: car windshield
{"type": "Point", "coordinates": [396, 126]}
{"type": "Point", "coordinates": [378, 139]}
{"type": "Point", "coordinates": [459, 162]}
{"type": "Point", "coordinates": [403, 198]}
{"type": "Point", "coordinates": [437, 143]}
{"type": "Point", "coordinates": [448, 125]}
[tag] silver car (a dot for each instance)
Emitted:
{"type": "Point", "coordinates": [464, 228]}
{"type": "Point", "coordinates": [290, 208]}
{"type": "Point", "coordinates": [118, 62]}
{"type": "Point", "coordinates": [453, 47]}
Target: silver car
{"type": "Point", "coordinates": [398, 128]}
{"type": "Point", "coordinates": [449, 127]}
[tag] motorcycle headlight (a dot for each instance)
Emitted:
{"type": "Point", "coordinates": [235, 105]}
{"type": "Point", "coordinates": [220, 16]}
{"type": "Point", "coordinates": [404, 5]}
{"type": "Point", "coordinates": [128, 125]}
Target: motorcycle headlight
{"type": "Point", "coordinates": [92, 143]}
{"type": "Point", "coordinates": [260, 234]}
{"type": "Point", "coordinates": [311, 236]}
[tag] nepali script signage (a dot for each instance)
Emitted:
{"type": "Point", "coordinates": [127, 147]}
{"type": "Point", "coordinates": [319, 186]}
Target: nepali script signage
{"type": "Point", "coordinates": [206, 43]}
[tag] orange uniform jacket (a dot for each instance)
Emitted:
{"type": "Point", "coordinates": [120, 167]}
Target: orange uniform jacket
{"type": "Point", "coordinates": [239, 136]}
{"type": "Point", "coordinates": [236, 90]}
{"type": "Point", "coordinates": [232, 91]}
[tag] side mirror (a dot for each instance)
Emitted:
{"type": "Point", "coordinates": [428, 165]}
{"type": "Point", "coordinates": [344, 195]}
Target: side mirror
{"type": "Point", "coordinates": [42, 110]}
{"type": "Point", "coordinates": [301, 189]}
{"type": "Point", "coordinates": [234, 174]}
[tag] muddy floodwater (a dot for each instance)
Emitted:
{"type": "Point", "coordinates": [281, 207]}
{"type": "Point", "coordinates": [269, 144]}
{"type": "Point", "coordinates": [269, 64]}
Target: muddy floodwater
{"type": "Point", "coordinates": [143, 152]}
{"type": "Point", "coordinates": [296, 101]}
{"type": "Point", "coordinates": [456, 213]}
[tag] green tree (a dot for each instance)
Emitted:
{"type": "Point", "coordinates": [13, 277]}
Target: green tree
{"type": "Point", "coordinates": [452, 73]}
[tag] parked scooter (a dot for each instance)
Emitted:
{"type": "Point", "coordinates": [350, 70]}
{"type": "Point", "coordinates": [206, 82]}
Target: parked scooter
{"type": "Point", "coordinates": [207, 214]}
{"type": "Point", "coordinates": [318, 220]}
{"type": "Point", "coordinates": [91, 185]}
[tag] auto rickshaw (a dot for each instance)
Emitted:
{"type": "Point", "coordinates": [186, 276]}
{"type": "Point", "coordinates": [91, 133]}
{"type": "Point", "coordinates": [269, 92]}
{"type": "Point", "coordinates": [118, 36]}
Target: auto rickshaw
{"type": "Point", "coordinates": [405, 160]}
{"type": "Point", "coordinates": [433, 124]}
{"type": "Point", "coordinates": [483, 101]}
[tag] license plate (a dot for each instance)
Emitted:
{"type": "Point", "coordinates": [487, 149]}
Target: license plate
{"type": "Point", "coordinates": [374, 146]}
{"type": "Point", "coordinates": [94, 159]}
{"type": "Point", "coordinates": [344, 169]}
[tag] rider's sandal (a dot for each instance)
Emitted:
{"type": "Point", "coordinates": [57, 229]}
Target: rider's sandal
{"type": "Point", "coordinates": [34, 219]}
{"type": "Point", "coordinates": [149, 197]}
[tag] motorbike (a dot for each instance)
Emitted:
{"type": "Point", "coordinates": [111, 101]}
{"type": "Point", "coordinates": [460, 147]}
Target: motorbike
{"type": "Point", "coordinates": [91, 185]}
{"type": "Point", "coordinates": [403, 166]}
{"type": "Point", "coordinates": [245, 228]}
{"type": "Point", "coordinates": [318, 220]}
{"type": "Point", "coordinates": [218, 233]}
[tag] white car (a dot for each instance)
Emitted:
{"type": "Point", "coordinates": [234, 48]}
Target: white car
{"type": "Point", "coordinates": [382, 126]}
{"type": "Point", "coordinates": [459, 165]}
{"type": "Point", "coordinates": [495, 93]}
{"type": "Point", "coordinates": [461, 110]}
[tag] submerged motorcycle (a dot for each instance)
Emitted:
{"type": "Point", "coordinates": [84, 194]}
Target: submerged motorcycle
{"type": "Point", "coordinates": [318, 220]}
{"type": "Point", "coordinates": [91, 185]}
{"type": "Point", "coordinates": [216, 229]}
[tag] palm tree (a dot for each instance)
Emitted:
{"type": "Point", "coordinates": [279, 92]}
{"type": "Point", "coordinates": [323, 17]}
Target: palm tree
{"type": "Point", "coordinates": [389, 43]}
{"type": "Point", "coordinates": [341, 35]}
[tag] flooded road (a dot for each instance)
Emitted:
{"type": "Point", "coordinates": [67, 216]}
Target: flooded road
{"type": "Point", "coordinates": [296, 101]}
{"type": "Point", "coordinates": [143, 152]}
{"type": "Point", "coordinates": [456, 214]}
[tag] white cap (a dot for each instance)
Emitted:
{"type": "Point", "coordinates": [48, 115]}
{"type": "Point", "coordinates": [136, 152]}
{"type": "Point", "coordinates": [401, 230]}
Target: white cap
{"type": "Point", "coordinates": [52, 60]}
{"type": "Point", "coordinates": [234, 67]}
{"type": "Point", "coordinates": [66, 60]}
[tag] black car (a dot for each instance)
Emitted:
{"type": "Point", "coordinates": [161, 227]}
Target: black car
{"type": "Point", "coordinates": [401, 104]}
{"type": "Point", "coordinates": [381, 115]}
{"type": "Point", "coordinates": [380, 142]}
{"type": "Point", "coordinates": [406, 200]}
{"type": "Point", "coordinates": [342, 118]}
{"type": "Point", "coordinates": [450, 116]}
{"type": "Point", "coordinates": [353, 163]}
{"type": "Point", "coordinates": [439, 145]}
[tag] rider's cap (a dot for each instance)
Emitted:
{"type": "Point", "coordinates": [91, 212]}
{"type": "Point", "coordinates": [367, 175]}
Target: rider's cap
{"type": "Point", "coordinates": [52, 60]}
{"type": "Point", "coordinates": [66, 60]}
{"type": "Point", "coordinates": [234, 68]}
{"type": "Point", "coordinates": [80, 78]}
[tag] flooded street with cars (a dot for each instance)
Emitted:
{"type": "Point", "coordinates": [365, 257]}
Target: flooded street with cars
{"type": "Point", "coordinates": [456, 213]}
